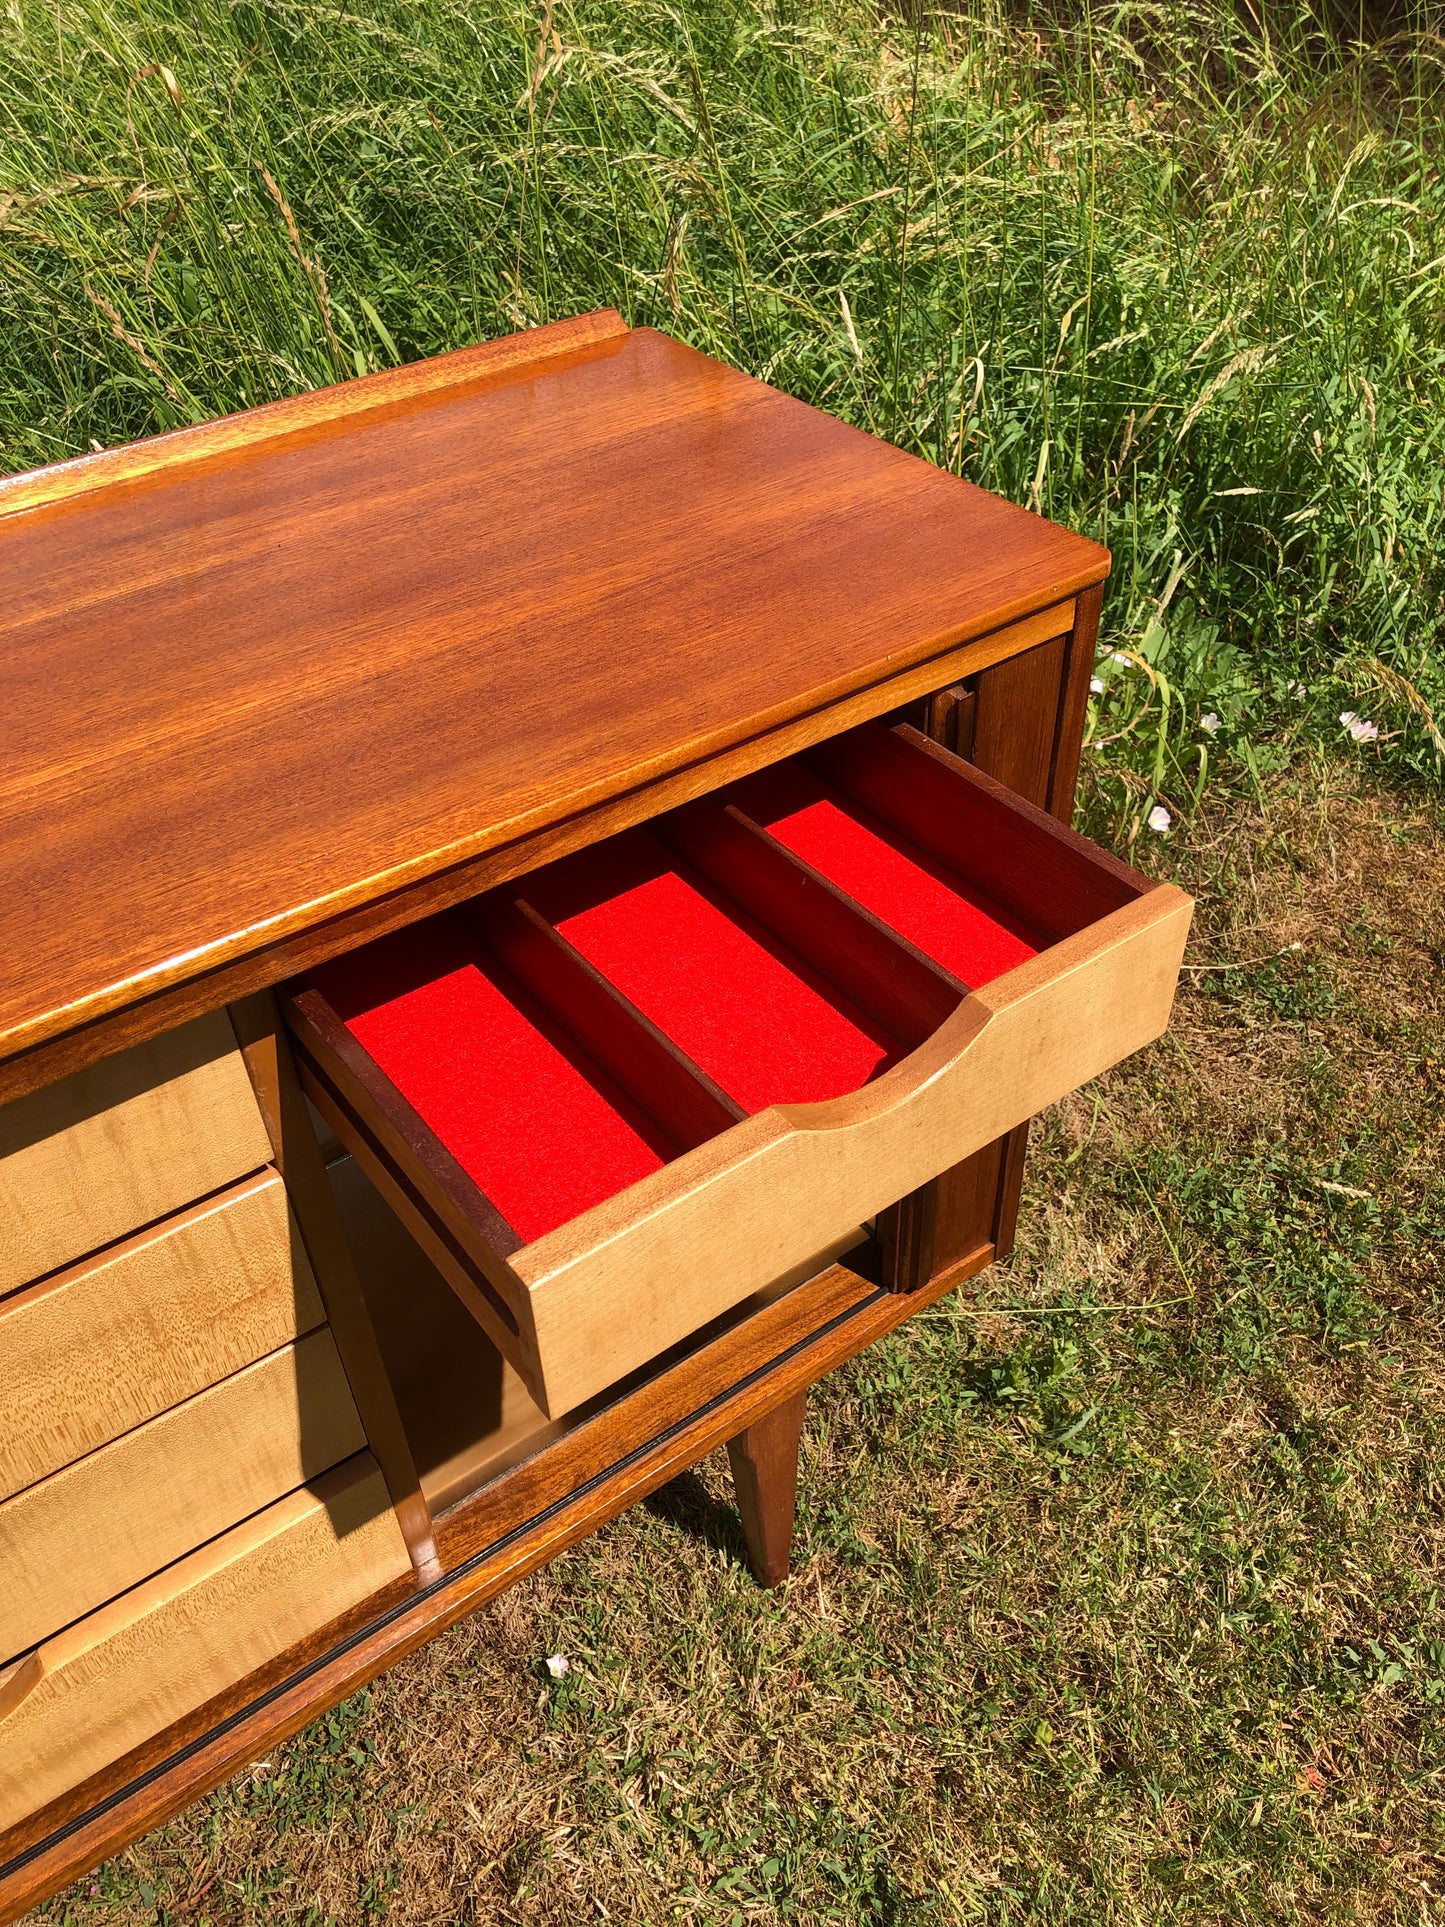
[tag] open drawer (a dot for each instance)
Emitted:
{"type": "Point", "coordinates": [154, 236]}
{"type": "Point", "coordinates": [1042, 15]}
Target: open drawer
{"type": "Point", "coordinates": [620, 1096]}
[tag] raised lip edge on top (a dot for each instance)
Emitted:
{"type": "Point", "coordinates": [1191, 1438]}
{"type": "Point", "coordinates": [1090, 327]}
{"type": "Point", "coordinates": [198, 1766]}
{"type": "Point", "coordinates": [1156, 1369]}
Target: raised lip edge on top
{"type": "Point", "coordinates": [272, 421]}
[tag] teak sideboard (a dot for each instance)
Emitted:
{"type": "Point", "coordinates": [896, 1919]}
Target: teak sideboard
{"type": "Point", "coordinates": [537, 907]}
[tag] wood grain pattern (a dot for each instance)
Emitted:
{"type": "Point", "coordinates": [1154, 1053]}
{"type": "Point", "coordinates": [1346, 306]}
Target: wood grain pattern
{"type": "Point", "coordinates": [907, 1234]}
{"type": "Point", "coordinates": [1073, 707]}
{"type": "Point", "coordinates": [780, 1184]}
{"type": "Point", "coordinates": [133, 1138]}
{"type": "Point", "coordinates": [455, 1243]}
{"type": "Point", "coordinates": [1015, 720]}
{"type": "Point", "coordinates": [979, 1198]}
{"type": "Point", "coordinates": [619, 1284]}
{"type": "Point", "coordinates": [112, 1519]}
{"type": "Point", "coordinates": [690, 1391]}
{"type": "Point", "coordinates": [118, 1023]}
{"type": "Point", "coordinates": [707, 1392]}
{"type": "Point", "coordinates": [114, 1341]}
{"type": "Point", "coordinates": [948, 717]}
{"type": "Point", "coordinates": [134, 1667]}
{"type": "Point", "coordinates": [764, 1461]}
{"type": "Point", "coordinates": [966, 1204]}
{"type": "Point", "coordinates": [445, 648]}
{"type": "Point", "coordinates": [601, 1468]}
{"type": "Point", "coordinates": [178, 642]}
{"type": "Point", "coordinates": [318, 410]}
{"type": "Point", "coordinates": [965, 1198]}
{"type": "Point", "coordinates": [1011, 1178]}
{"type": "Point", "coordinates": [267, 1053]}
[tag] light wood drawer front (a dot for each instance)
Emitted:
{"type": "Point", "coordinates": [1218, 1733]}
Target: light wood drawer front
{"type": "Point", "coordinates": [85, 1534]}
{"type": "Point", "coordinates": [110, 1343]}
{"type": "Point", "coordinates": [117, 1146]}
{"type": "Point", "coordinates": [620, 1096]}
{"type": "Point", "coordinates": [88, 1696]}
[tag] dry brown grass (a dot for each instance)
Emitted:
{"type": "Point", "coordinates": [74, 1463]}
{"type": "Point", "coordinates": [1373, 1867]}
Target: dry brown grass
{"type": "Point", "coordinates": [1100, 1615]}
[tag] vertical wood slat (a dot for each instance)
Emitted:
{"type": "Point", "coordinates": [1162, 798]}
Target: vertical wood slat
{"type": "Point", "coordinates": [1080, 644]}
{"type": "Point", "coordinates": [968, 1203]}
{"type": "Point", "coordinates": [264, 1045]}
{"type": "Point", "coordinates": [1013, 1149]}
{"type": "Point", "coordinates": [949, 718]}
{"type": "Point", "coordinates": [907, 1234]}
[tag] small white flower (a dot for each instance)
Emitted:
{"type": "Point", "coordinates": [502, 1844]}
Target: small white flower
{"type": "Point", "coordinates": [1126, 662]}
{"type": "Point", "coordinates": [1357, 726]}
{"type": "Point", "coordinates": [559, 1666]}
{"type": "Point", "coordinates": [1159, 820]}
{"type": "Point", "coordinates": [1297, 690]}
{"type": "Point", "coordinates": [1209, 723]}
{"type": "Point", "coordinates": [1096, 686]}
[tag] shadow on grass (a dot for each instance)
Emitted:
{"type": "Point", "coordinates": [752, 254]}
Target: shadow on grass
{"type": "Point", "coordinates": [686, 1503]}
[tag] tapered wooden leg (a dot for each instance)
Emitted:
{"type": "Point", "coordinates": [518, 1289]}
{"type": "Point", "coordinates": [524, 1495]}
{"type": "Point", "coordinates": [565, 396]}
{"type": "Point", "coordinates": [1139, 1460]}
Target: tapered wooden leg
{"type": "Point", "coordinates": [764, 1460]}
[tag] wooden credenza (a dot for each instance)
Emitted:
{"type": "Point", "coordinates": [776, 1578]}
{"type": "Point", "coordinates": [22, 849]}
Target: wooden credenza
{"type": "Point", "coordinates": [537, 908]}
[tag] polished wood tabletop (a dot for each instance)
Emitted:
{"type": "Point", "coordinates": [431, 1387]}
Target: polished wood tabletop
{"type": "Point", "coordinates": [275, 667]}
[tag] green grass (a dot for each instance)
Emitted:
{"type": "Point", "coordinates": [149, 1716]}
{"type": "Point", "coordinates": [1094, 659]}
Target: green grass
{"type": "Point", "coordinates": [1117, 1593]}
{"type": "Point", "coordinates": [1169, 276]}
{"type": "Point", "coordinates": [1118, 1587]}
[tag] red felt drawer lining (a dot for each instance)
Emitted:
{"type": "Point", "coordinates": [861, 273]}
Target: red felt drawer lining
{"type": "Point", "coordinates": [503, 1090]}
{"type": "Point", "coordinates": [538, 1127]}
{"type": "Point", "coordinates": [955, 925]}
{"type": "Point", "coordinates": [762, 1025]}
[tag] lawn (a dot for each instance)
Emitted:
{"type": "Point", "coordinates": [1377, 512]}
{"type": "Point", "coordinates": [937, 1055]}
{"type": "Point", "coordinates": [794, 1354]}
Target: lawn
{"type": "Point", "coordinates": [1117, 1589]}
